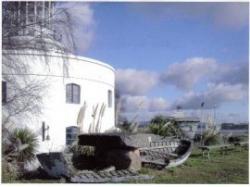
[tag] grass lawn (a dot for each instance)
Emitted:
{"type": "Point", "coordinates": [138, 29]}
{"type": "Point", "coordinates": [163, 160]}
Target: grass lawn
{"type": "Point", "coordinates": [228, 169]}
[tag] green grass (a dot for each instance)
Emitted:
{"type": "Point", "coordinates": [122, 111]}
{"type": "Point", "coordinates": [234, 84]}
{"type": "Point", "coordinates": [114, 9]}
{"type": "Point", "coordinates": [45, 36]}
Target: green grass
{"type": "Point", "coordinates": [47, 181]}
{"type": "Point", "coordinates": [228, 169]}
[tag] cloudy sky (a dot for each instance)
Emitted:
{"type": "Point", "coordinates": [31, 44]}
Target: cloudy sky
{"type": "Point", "coordinates": [171, 54]}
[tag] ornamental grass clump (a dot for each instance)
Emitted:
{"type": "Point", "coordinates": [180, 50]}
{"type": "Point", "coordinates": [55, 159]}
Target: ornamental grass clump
{"type": "Point", "coordinates": [163, 126]}
{"type": "Point", "coordinates": [211, 137]}
{"type": "Point", "coordinates": [25, 144]}
{"type": "Point", "coordinates": [18, 148]}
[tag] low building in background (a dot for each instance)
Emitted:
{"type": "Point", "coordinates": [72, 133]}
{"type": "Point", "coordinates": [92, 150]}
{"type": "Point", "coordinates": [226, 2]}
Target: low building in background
{"type": "Point", "coordinates": [188, 125]}
{"type": "Point", "coordinates": [233, 129]}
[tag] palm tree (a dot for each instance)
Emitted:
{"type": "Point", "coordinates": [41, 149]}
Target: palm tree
{"type": "Point", "coordinates": [164, 126]}
{"type": "Point", "coordinates": [20, 146]}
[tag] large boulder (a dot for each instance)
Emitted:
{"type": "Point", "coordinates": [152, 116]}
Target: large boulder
{"type": "Point", "coordinates": [124, 159]}
{"type": "Point", "coordinates": [56, 164]}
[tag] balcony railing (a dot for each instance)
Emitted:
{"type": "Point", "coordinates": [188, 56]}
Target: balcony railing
{"type": "Point", "coordinates": [33, 30]}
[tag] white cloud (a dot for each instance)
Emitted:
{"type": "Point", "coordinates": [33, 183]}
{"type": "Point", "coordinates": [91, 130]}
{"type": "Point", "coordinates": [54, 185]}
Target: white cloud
{"type": "Point", "coordinates": [213, 97]}
{"type": "Point", "coordinates": [234, 15]}
{"type": "Point", "coordinates": [232, 73]}
{"type": "Point", "coordinates": [135, 82]}
{"type": "Point", "coordinates": [134, 103]}
{"type": "Point", "coordinates": [158, 104]}
{"type": "Point", "coordinates": [143, 104]}
{"type": "Point", "coordinates": [186, 74]}
{"type": "Point", "coordinates": [225, 83]}
{"type": "Point", "coordinates": [227, 14]}
{"type": "Point", "coordinates": [79, 26]}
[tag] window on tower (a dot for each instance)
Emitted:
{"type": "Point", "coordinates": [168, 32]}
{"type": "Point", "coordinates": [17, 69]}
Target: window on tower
{"type": "Point", "coordinates": [71, 134]}
{"type": "Point", "coordinates": [109, 98]}
{"type": "Point", "coordinates": [73, 93]}
{"type": "Point", "coordinates": [4, 92]}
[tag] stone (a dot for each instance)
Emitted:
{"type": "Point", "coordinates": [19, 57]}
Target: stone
{"type": "Point", "coordinates": [54, 164]}
{"type": "Point", "coordinates": [102, 174]}
{"type": "Point", "coordinates": [124, 159]}
{"type": "Point", "coordinates": [62, 180]}
{"type": "Point", "coordinates": [110, 168]}
{"type": "Point", "coordinates": [126, 176]}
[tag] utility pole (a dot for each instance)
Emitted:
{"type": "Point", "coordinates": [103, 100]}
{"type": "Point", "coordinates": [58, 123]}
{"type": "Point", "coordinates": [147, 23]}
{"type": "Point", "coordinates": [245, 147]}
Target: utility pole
{"type": "Point", "coordinates": [202, 105]}
{"type": "Point", "coordinates": [215, 116]}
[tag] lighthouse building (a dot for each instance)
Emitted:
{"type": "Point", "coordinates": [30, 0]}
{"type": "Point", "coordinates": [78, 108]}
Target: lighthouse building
{"type": "Point", "coordinates": [78, 95]}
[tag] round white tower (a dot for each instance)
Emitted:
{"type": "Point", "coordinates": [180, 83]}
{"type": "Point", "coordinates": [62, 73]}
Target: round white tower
{"type": "Point", "coordinates": [79, 93]}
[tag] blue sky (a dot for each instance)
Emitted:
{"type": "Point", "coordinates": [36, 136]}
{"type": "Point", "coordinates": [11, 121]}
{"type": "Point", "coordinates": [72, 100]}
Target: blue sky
{"type": "Point", "coordinates": [121, 30]}
{"type": "Point", "coordinates": [169, 54]}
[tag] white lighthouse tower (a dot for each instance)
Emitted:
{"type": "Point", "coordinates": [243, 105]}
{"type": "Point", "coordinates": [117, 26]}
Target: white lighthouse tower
{"type": "Point", "coordinates": [78, 92]}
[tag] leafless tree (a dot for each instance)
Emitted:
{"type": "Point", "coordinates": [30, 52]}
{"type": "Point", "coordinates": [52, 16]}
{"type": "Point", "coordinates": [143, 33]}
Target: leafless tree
{"type": "Point", "coordinates": [117, 106]}
{"type": "Point", "coordinates": [25, 95]}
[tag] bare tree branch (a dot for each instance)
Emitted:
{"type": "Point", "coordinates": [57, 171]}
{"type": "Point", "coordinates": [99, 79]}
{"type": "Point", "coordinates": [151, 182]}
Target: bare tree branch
{"type": "Point", "coordinates": [25, 95]}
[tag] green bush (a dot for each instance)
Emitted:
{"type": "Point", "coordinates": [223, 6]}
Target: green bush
{"type": "Point", "coordinates": [128, 127]}
{"type": "Point", "coordinates": [159, 119]}
{"type": "Point", "coordinates": [25, 143]}
{"type": "Point", "coordinates": [163, 126]}
{"type": "Point", "coordinates": [18, 147]}
{"type": "Point", "coordinates": [233, 139]}
{"type": "Point", "coordinates": [211, 137]}
{"type": "Point", "coordinates": [82, 150]}
{"type": "Point", "coordinates": [125, 125]}
{"type": "Point", "coordinates": [9, 172]}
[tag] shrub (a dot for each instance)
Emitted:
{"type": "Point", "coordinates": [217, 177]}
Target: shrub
{"type": "Point", "coordinates": [233, 139]}
{"type": "Point", "coordinates": [159, 119]}
{"type": "Point", "coordinates": [25, 143]}
{"type": "Point", "coordinates": [9, 172]}
{"type": "Point", "coordinates": [211, 137]}
{"type": "Point", "coordinates": [236, 139]}
{"type": "Point", "coordinates": [81, 150]}
{"type": "Point", "coordinates": [124, 126]}
{"type": "Point", "coordinates": [81, 157]}
{"type": "Point", "coordinates": [163, 126]}
{"type": "Point", "coordinates": [18, 147]}
{"type": "Point", "coordinates": [128, 127]}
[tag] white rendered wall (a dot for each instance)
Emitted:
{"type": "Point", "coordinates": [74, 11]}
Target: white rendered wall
{"type": "Point", "coordinates": [95, 79]}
